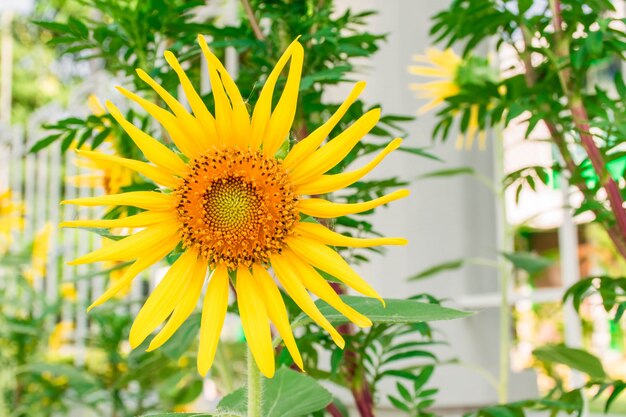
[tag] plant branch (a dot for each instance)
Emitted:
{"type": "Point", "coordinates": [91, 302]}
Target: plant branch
{"type": "Point", "coordinates": [353, 370]}
{"type": "Point", "coordinates": [252, 19]}
{"type": "Point", "coordinates": [616, 232]}
{"type": "Point", "coordinates": [581, 121]}
{"type": "Point", "coordinates": [333, 410]}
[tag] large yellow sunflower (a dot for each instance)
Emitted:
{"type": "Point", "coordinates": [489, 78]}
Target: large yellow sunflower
{"type": "Point", "coordinates": [444, 66]}
{"type": "Point", "coordinates": [237, 210]}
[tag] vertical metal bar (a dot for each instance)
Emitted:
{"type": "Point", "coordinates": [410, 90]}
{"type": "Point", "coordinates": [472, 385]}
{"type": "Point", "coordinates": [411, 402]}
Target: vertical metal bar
{"type": "Point", "coordinates": [69, 237]}
{"type": "Point", "coordinates": [570, 273]}
{"type": "Point", "coordinates": [6, 68]}
{"type": "Point", "coordinates": [54, 192]}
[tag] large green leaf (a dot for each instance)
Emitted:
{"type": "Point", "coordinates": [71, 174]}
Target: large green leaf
{"type": "Point", "coordinates": [529, 262]}
{"type": "Point", "coordinates": [288, 394]}
{"type": "Point", "coordinates": [394, 311]}
{"type": "Point", "coordinates": [574, 358]}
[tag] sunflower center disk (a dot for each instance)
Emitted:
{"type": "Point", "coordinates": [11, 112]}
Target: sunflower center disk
{"type": "Point", "coordinates": [236, 207]}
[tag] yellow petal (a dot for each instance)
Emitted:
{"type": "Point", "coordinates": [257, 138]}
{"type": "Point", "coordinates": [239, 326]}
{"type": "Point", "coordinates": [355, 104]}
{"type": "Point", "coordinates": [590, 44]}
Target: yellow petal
{"type": "Point", "coordinates": [263, 107]}
{"type": "Point", "coordinates": [430, 105]}
{"type": "Point", "coordinates": [155, 151]}
{"type": "Point", "coordinates": [308, 145]}
{"type": "Point", "coordinates": [133, 246]}
{"type": "Point", "coordinates": [329, 183]}
{"type": "Point", "coordinates": [143, 219]}
{"type": "Point", "coordinates": [149, 200]}
{"type": "Point", "coordinates": [241, 119]}
{"type": "Point", "coordinates": [482, 140]}
{"type": "Point", "coordinates": [203, 115]}
{"type": "Point", "coordinates": [326, 259]}
{"type": "Point", "coordinates": [277, 311]}
{"type": "Point", "coordinates": [149, 171]}
{"type": "Point", "coordinates": [429, 72]}
{"type": "Point", "coordinates": [203, 139]}
{"type": "Point", "coordinates": [255, 321]}
{"type": "Point", "coordinates": [223, 109]}
{"type": "Point", "coordinates": [326, 236]}
{"type": "Point", "coordinates": [155, 255]}
{"type": "Point", "coordinates": [213, 314]}
{"type": "Point", "coordinates": [312, 280]}
{"type": "Point", "coordinates": [94, 105]}
{"type": "Point", "coordinates": [334, 151]}
{"type": "Point", "coordinates": [174, 127]}
{"type": "Point", "coordinates": [282, 116]}
{"type": "Point", "coordinates": [163, 299]}
{"type": "Point", "coordinates": [317, 207]}
{"type": "Point", "coordinates": [185, 307]}
{"type": "Point", "coordinates": [288, 278]}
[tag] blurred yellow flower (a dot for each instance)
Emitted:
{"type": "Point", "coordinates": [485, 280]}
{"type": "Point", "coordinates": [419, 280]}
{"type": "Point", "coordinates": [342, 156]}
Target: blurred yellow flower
{"type": "Point", "coordinates": [184, 408]}
{"type": "Point", "coordinates": [68, 291]}
{"type": "Point", "coordinates": [39, 256]}
{"type": "Point", "coordinates": [54, 380]}
{"type": "Point", "coordinates": [444, 66]}
{"type": "Point", "coordinates": [109, 176]}
{"type": "Point", "coordinates": [236, 207]}
{"type": "Point", "coordinates": [11, 218]}
{"type": "Point", "coordinates": [61, 334]}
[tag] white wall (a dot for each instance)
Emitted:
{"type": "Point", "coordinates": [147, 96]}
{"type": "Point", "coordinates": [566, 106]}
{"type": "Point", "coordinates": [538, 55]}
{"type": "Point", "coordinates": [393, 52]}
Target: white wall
{"type": "Point", "coordinates": [444, 219]}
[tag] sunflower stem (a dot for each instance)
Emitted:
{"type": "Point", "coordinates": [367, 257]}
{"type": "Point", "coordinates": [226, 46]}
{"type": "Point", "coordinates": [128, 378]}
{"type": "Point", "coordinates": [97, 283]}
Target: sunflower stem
{"type": "Point", "coordinates": [255, 389]}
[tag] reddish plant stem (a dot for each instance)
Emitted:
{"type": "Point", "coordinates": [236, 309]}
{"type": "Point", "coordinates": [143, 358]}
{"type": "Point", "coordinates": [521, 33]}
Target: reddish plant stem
{"type": "Point", "coordinates": [617, 233]}
{"type": "Point", "coordinates": [615, 198]}
{"type": "Point", "coordinates": [353, 372]}
{"type": "Point", "coordinates": [333, 410]}
{"type": "Point", "coordinates": [581, 121]}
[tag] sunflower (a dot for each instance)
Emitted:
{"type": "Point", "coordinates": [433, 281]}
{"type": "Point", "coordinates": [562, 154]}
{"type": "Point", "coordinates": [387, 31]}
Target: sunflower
{"type": "Point", "coordinates": [444, 66]}
{"type": "Point", "coordinates": [237, 210]}
{"type": "Point", "coordinates": [11, 218]}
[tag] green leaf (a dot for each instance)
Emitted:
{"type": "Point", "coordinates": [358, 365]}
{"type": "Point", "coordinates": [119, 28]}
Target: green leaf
{"type": "Point", "coordinates": [574, 358]}
{"type": "Point", "coordinates": [398, 403]}
{"type": "Point", "coordinates": [449, 172]}
{"type": "Point", "coordinates": [288, 394]}
{"type": "Point", "coordinates": [45, 142]}
{"type": "Point", "coordinates": [529, 262]}
{"type": "Point", "coordinates": [396, 311]}
{"type": "Point", "coordinates": [419, 152]}
{"type": "Point", "coordinates": [433, 270]}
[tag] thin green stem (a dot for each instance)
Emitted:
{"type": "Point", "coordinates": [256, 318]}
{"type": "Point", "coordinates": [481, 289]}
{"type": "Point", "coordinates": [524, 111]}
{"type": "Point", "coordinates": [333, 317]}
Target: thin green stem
{"type": "Point", "coordinates": [223, 369]}
{"type": "Point", "coordinates": [255, 389]}
{"type": "Point", "coordinates": [505, 244]}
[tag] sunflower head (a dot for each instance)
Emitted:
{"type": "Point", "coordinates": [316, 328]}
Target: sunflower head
{"type": "Point", "coordinates": [451, 76]}
{"type": "Point", "coordinates": [237, 209]}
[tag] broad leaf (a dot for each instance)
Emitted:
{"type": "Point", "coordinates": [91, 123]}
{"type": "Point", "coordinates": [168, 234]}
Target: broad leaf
{"type": "Point", "coordinates": [288, 394]}
{"type": "Point", "coordinates": [394, 311]}
{"type": "Point", "coordinates": [529, 262]}
{"type": "Point", "coordinates": [574, 358]}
